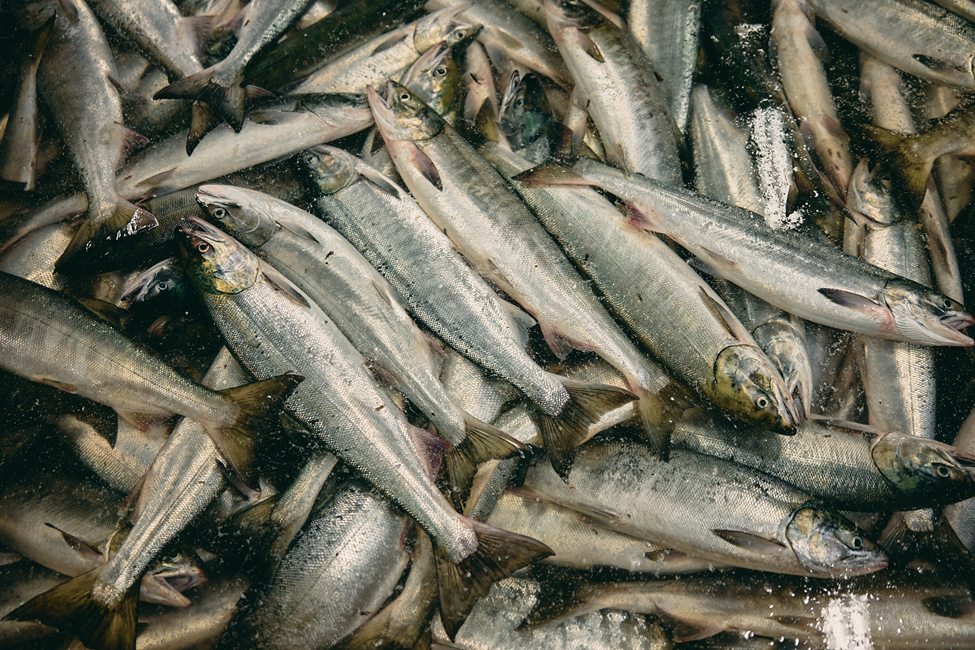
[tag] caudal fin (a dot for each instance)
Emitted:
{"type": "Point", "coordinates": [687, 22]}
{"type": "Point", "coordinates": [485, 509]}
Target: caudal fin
{"type": "Point", "coordinates": [202, 122]}
{"type": "Point", "coordinates": [483, 442]}
{"type": "Point", "coordinates": [227, 101]}
{"type": "Point", "coordinates": [499, 554]}
{"type": "Point", "coordinates": [236, 441]}
{"type": "Point", "coordinates": [905, 158]}
{"type": "Point", "coordinates": [125, 221]}
{"type": "Point", "coordinates": [70, 607]}
{"type": "Point", "coordinates": [588, 402]}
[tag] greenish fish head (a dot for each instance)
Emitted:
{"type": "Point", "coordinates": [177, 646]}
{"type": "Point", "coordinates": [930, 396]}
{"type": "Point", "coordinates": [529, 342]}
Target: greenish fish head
{"type": "Point", "coordinates": [444, 25]}
{"type": "Point", "coordinates": [526, 115]}
{"type": "Point", "coordinates": [328, 169]}
{"type": "Point", "coordinates": [215, 262]}
{"type": "Point", "coordinates": [871, 196]}
{"type": "Point", "coordinates": [237, 213]}
{"type": "Point", "coordinates": [747, 385]}
{"type": "Point", "coordinates": [931, 471]}
{"type": "Point", "coordinates": [403, 115]}
{"type": "Point", "coordinates": [922, 315]}
{"type": "Point", "coordinates": [785, 346]}
{"type": "Point", "coordinates": [829, 545]}
{"type": "Point", "coordinates": [435, 78]}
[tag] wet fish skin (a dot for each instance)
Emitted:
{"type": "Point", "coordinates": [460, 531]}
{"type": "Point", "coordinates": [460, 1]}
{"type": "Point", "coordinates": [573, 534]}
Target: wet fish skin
{"type": "Point", "coordinates": [74, 80]}
{"type": "Point", "coordinates": [21, 135]}
{"type": "Point", "coordinates": [847, 469]}
{"type": "Point", "coordinates": [915, 36]}
{"type": "Point", "coordinates": [764, 523]}
{"type": "Point", "coordinates": [339, 571]}
{"type": "Point", "coordinates": [618, 88]}
{"type": "Point", "coordinates": [51, 338]}
{"type": "Point", "coordinates": [710, 351]}
{"type": "Point", "coordinates": [451, 299]}
{"type": "Point", "coordinates": [342, 406]}
{"type": "Point", "coordinates": [120, 465]}
{"type": "Point", "coordinates": [825, 285]}
{"type": "Point", "coordinates": [365, 308]}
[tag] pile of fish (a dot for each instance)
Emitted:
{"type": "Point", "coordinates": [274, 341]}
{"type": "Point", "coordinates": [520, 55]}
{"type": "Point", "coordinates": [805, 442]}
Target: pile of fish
{"type": "Point", "coordinates": [486, 324]}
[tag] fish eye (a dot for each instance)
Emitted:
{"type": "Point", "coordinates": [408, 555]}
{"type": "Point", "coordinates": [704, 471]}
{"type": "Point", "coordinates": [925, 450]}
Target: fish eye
{"type": "Point", "coordinates": [943, 471]}
{"type": "Point", "coordinates": [404, 97]}
{"type": "Point", "coordinates": [948, 304]}
{"type": "Point", "coordinates": [519, 102]}
{"type": "Point", "coordinates": [762, 402]}
{"type": "Point", "coordinates": [203, 247]}
{"type": "Point", "coordinates": [162, 286]}
{"type": "Point", "coordinates": [219, 213]}
{"type": "Point", "coordinates": [856, 543]}
{"type": "Point", "coordinates": [441, 71]}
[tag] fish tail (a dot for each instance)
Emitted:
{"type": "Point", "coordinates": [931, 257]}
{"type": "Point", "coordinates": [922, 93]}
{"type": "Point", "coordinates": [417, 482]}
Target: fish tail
{"type": "Point", "coordinates": [499, 553]}
{"type": "Point", "coordinates": [659, 413]}
{"type": "Point", "coordinates": [587, 403]}
{"type": "Point", "coordinates": [71, 607]}
{"type": "Point", "coordinates": [202, 121]}
{"type": "Point", "coordinates": [483, 442]}
{"type": "Point", "coordinates": [559, 600]}
{"type": "Point", "coordinates": [228, 101]}
{"type": "Point", "coordinates": [913, 166]}
{"type": "Point", "coordinates": [235, 441]}
{"type": "Point", "coordinates": [125, 220]}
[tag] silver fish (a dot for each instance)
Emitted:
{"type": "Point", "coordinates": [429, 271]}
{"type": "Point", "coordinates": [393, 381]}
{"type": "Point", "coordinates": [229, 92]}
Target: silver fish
{"type": "Point", "coordinates": [21, 136]}
{"type": "Point", "coordinates": [365, 308]}
{"type": "Point", "coordinates": [269, 324]}
{"type": "Point", "coordinates": [762, 523]}
{"type": "Point", "coordinates": [800, 275]}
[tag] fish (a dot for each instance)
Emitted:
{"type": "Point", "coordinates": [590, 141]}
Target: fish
{"type": "Point", "coordinates": [342, 406]}
{"type": "Point", "coordinates": [619, 90]}
{"type": "Point", "coordinates": [21, 136]}
{"type": "Point", "coordinates": [651, 290]}
{"type": "Point", "coordinates": [50, 338]}
{"type": "Point", "coordinates": [448, 297]}
{"type": "Point", "coordinates": [365, 308]}
{"type": "Point", "coordinates": [763, 523]}
{"type": "Point", "coordinates": [449, 179]}
{"type": "Point", "coordinates": [74, 80]}
{"type": "Point", "coordinates": [827, 286]}
{"type": "Point", "coordinates": [220, 85]}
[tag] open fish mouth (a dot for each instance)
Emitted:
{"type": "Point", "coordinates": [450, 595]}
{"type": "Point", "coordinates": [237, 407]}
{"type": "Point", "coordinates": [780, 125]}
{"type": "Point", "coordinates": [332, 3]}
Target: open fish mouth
{"type": "Point", "coordinates": [957, 320]}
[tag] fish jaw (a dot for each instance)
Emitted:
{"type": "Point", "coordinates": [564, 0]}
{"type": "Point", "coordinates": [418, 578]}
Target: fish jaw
{"type": "Point", "coordinates": [749, 386]}
{"type": "Point", "coordinates": [785, 347]}
{"type": "Point", "coordinates": [926, 317]}
{"type": "Point", "coordinates": [218, 261]}
{"type": "Point", "coordinates": [402, 116]}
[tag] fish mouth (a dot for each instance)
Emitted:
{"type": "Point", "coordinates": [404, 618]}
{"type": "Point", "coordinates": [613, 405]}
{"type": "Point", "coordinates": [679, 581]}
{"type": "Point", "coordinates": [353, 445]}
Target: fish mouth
{"type": "Point", "coordinates": [212, 193]}
{"type": "Point", "coordinates": [375, 100]}
{"type": "Point", "coordinates": [957, 320]}
{"type": "Point", "coordinates": [962, 460]}
{"type": "Point", "coordinates": [137, 290]}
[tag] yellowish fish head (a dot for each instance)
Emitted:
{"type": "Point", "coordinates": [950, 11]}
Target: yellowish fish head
{"type": "Point", "coordinates": [237, 213]}
{"type": "Point", "coordinates": [435, 78]}
{"type": "Point", "coordinates": [747, 385]}
{"type": "Point", "coordinates": [215, 262]}
{"type": "Point", "coordinates": [329, 169]}
{"type": "Point", "coordinates": [402, 115]}
{"type": "Point", "coordinates": [829, 545]}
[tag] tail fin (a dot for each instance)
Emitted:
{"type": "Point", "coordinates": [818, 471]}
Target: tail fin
{"type": "Point", "coordinates": [660, 412]}
{"type": "Point", "coordinates": [588, 402]}
{"type": "Point", "coordinates": [72, 608]}
{"type": "Point", "coordinates": [912, 165]}
{"type": "Point", "coordinates": [202, 121]}
{"type": "Point", "coordinates": [561, 596]}
{"type": "Point", "coordinates": [227, 101]}
{"type": "Point", "coordinates": [499, 554]}
{"type": "Point", "coordinates": [125, 221]}
{"type": "Point", "coordinates": [235, 441]}
{"type": "Point", "coordinates": [483, 442]}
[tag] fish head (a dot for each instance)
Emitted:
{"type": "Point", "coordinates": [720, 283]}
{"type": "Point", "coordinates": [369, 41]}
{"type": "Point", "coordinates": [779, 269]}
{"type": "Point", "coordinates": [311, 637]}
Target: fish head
{"type": "Point", "coordinates": [749, 386]}
{"type": "Point", "coordinates": [329, 169]}
{"type": "Point", "coordinates": [570, 13]}
{"type": "Point", "coordinates": [237, 212]}
{"type": "Point", "coordinates": [927, 469]}
{"type": "Point", "coordinates": [215, 262]}
{"type": "Point", "coordinates": [785, 346]}
{"type": "Point", "coordinates": [161, 281]}
{"type": "Point", "coordinates": [526, 114]}
{"type": "Point", "coordinates": [402, 115]}
{"type": "Point", "coordinates": [445, 25]}
{"type": "Point", "coordinates": [922, 315]}
{"type": "Point", "coordinates": [829, 545]}
{"type": "Point", "coordinates": [871, 196]}
{"type": "Point", "coordinates": [164, 583]}
{"type": "Point", "coordinates": [435, 78]}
